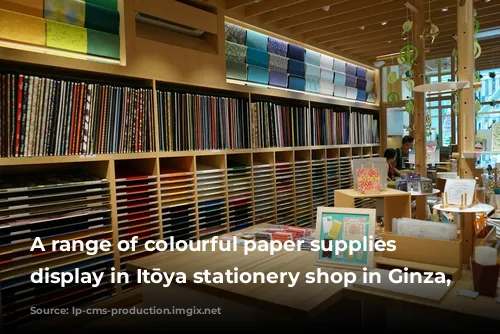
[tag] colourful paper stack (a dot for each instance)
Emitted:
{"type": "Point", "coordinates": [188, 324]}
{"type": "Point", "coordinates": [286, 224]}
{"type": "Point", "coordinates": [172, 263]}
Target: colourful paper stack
{"type": "Point", "coordinates": [254, 57]}
{"type": "Point", "coordinates": [89, 27]}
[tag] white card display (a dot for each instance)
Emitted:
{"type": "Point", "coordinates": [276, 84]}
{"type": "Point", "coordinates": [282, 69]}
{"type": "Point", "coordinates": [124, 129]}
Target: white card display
{"type": "Point", "coordinates": [456, 188]}
{"type": "Point", "coordinates": [424, 229]}
{"type": "Point", "coordinates": [495, 137]}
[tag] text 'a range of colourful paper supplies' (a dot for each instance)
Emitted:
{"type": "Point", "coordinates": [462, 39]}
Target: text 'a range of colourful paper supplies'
{"type": "Point", "coordinates": [89, 27]}
{"type": "Point", "coordinates": [254, 57]}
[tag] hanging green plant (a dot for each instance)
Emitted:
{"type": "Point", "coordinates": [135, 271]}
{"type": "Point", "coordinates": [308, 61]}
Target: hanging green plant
{"type": "Point", "coordinates": [455, 107]}
{"type": "Point", "coordinates": [407, 55]}
{"type": "Point", "coordinates": [477, 76]}
{"type": "Point", "coordinates": [492, 75]}
{"type": "Point", "coordinates": [410, 84]}
{"type": "Point", "coordinates": [477, 105]}
{"type": "Point", "coordinates": [477, 49]}
{"type": "Point", "coordinates": [393, 98]}
{"type": "Point", "coordinates": [392, 77]}
{"type": "Point", "coordinates": [407, 26]}
{"type": "Point", "coordinates": [476, 26]}
{"type": "Point", "coordinates": [409, 106]}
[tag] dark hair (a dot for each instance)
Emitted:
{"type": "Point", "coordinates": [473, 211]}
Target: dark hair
{"type": "Point", "coordinates": [407, 139]}
{"type": "Point", "coordinates": [390, 153]}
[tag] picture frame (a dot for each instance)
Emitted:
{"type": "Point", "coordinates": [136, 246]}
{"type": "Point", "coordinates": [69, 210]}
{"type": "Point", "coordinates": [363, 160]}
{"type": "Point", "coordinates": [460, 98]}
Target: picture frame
{"type": "Point", "coordinates": [345, 224]}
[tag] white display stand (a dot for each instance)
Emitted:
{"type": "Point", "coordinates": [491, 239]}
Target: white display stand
{"type": "Point", "coordinates": [467, 219]}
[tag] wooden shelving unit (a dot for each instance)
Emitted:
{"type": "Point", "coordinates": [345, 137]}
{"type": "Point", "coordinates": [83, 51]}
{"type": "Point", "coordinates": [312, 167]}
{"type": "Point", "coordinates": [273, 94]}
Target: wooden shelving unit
{"type": "Point", "coordinates": [164, 194]}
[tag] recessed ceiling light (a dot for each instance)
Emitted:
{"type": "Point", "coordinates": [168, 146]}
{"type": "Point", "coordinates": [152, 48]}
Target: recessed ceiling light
{"type": "Point", "coordinates": [487, 0]}
{"type": "Point", "coordinates": [362, 27]}
{"type": "Point", "coordinates": [384, 23]}
{"type": "Point", "coordinates": [444, 9]}
{"type": "Point", "coordinates": [389, 42]}
{"type": "Point", "coordinates": [405, 38]}
{"type": "Point", "coordinates": [326, 8]}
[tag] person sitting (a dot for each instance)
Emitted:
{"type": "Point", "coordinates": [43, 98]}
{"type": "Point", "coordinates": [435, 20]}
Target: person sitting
{"type": "Point", "coordinates": [390, 157]}
{"type": "Point", "coordinates": [403, 152]}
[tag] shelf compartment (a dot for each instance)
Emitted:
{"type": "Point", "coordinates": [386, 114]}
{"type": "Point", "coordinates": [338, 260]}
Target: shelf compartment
{"type": "Point", "coordinates": [137, 200]}
{"type": "Point", "coordinates": [211, 184]}
{"type": "Point", "coordinates": [178, 198]}
{"type": "Point", "coordinates": [239, 178]}
{"type": "Point", "coordinates": [52, 202]}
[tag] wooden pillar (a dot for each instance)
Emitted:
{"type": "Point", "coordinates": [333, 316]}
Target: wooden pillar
{"type": "Point", "coordinates": [419, 104]}
{"type": "Point", "coordinates": [466, 130]}
{"type": "Point", "coordinates": [418, 98]}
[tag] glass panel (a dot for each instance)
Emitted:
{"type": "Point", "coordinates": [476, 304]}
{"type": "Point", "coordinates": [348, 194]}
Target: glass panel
{"type": "Point", "coordinates": [446, 78]}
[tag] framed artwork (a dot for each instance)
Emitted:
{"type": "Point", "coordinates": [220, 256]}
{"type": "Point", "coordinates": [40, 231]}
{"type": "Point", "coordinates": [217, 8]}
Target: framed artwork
{"type": "Point", "coordinates": [350, 225]}
{"type": "Point", "coordinates": [370, 175]}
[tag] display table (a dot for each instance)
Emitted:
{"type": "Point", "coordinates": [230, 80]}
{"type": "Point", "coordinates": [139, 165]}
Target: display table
{"type": "Point", "coordinates": [279, 304]}
{"type": "Point", "coordinates": [397, 204]}
{"type": "Point", "coordinates": [467, 218]}
{"type": "Point", "coordinates": [421, 203]}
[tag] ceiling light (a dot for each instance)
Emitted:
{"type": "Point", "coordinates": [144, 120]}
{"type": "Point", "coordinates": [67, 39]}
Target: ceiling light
{"type": "Point", "coordinates": [384, 23]}
{"type": "Point", "coordinates": [326, 8]}
{"type": "Point", "coordinates": [444, 9]}
{"type": "Point", "coordinates": [362, 27]}
{"type": "Point", "coordinates": [487, 0]}
{"type": "Point", "coordinates": [389, 42]}
{"type": "Point", "coordinates": [379, 64]}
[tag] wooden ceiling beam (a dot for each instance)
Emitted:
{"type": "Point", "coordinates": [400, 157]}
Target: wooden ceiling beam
{"type": "Point", "coordinates": [378, 14]}
{"type": "Point", "coordinates": [392, 35]}
{"type": "Point", "coordinates": [390, 27]}
{"type": "Point", "coordinates": [233, 4]}
{"type": "Point", "coordinates": [483, 14]}
{"type": "Point", "coordinates": [337, 8]}
{"type": "Point", "coordinates": [444, 40]}
{"type": "Point", "coordinates": [315, 29]}
{"type": "Point", "coordinates": [381, 13]}
{"type": "Point", "coordinates": [268, 6]}
{"type": "Point", "coordinates": [394, 26]}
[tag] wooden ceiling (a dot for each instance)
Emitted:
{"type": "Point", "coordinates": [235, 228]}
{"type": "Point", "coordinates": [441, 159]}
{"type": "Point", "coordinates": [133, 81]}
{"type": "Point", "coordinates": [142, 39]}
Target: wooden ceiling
{"type": "Point", "coordinates": [365, 30]}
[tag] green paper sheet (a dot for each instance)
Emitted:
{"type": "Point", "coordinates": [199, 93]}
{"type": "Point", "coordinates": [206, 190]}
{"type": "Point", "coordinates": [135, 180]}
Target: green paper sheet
{"type": "Point", "coordinates": [111, 4]}
{"type": "Point", "coordinates": [103, 44]}
{"type": "Point", "coordinates": [102, 19]}
{"type": "Point", "coordinates": [66, 37]}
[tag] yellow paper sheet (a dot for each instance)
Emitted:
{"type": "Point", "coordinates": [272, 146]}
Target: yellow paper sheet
{"type": "Point", "coordinates": [22, 28]}
{"type": "Point", "coordinates": [66, 37]}
{"type": "Point", "coordinates": [335, 230]}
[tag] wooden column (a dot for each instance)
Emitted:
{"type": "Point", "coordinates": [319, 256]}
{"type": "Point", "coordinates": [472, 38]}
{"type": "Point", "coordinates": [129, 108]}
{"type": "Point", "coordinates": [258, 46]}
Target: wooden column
{"type": "Point", "coordinates": [419, 104]}
{"type": "Point", "coordinates": [466, 131]}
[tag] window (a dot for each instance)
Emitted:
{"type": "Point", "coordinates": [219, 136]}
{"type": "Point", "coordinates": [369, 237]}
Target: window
{"type": "Point", "coordinates": [439, 105]}
{"type": "Point", "coordinates": [490, 111]}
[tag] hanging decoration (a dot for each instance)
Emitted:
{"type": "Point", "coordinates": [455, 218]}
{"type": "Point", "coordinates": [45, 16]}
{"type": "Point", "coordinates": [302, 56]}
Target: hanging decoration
{"type": "Point", "coordinates": [410, 127]}
{"type": "Point", "coordinates": [393, 97]}
{"type": "Point", "coordinates": [492, 75]}
{"type": "Point", "coordinates": [392, 78]}
{"type": "Point", "coordinates": [431, 31]}
{"type": "Point", "coordinates": [407, 26]}
{"type": "Point", "coordinates": [477, 49]}
{"type": "Point", "coordinates": [407, 55]}
{"type": "Point", "coordinates": [476, 26]}
{"type": "Point", "coordinates": [428, 124]}
{"type": "Point", "coordinates": [410, 84]}
{"type": "Point", "coordinates": [409, 106]}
